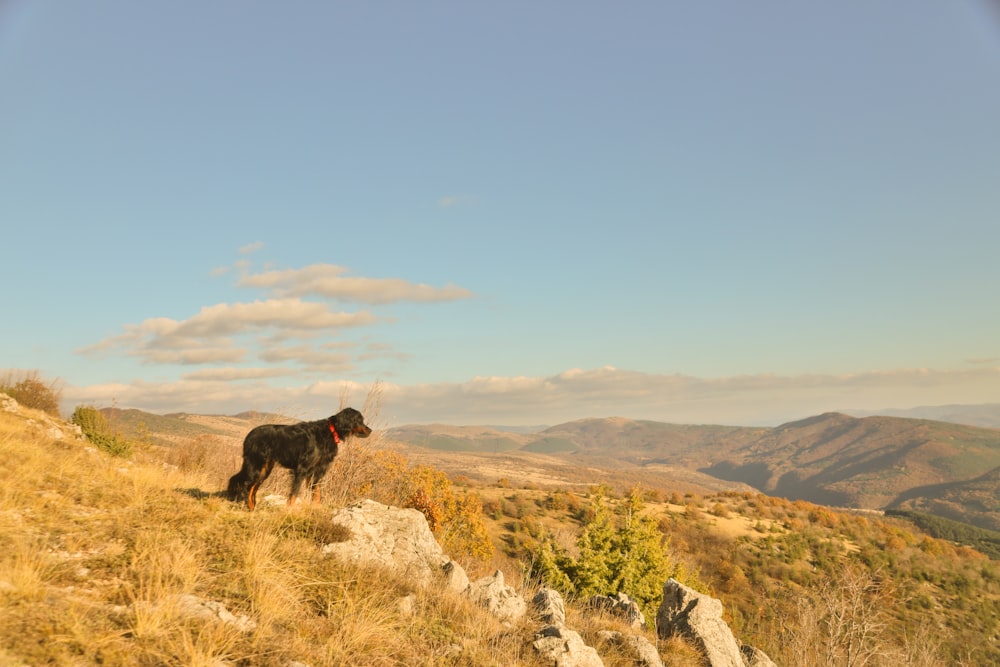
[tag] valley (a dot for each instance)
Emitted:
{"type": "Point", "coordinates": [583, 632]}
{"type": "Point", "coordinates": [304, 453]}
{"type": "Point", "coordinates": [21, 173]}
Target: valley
{"type": "Point", "coordinates": [868, 463]}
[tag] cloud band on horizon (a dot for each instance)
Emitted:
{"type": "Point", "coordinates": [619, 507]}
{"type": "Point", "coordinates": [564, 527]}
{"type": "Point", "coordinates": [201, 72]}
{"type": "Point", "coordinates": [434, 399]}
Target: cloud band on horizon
{"type": "Point", "coordinates": [747, 400]}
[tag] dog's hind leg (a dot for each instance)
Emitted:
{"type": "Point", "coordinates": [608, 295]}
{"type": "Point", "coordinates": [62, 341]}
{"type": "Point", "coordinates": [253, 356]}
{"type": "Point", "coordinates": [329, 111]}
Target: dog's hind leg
{"type": "Point", "coordinates": [317, 475]}
{"type": "Point", "coordinates": [298, 478]}
{"type": "Point", "coordinates": [312, 482]}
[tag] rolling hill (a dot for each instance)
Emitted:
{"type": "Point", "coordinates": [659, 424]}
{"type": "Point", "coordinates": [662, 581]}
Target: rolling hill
{"type": "Point", "coordinates": [975, 501]}
{"type": "Point", "coordinates": [832, 459]}
{"type": "Point", "coordinates": [98, 547]}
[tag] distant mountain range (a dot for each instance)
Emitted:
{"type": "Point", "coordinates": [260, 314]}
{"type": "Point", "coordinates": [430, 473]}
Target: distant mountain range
{"type": "Point", "coordinates": [832, 459]}
{"type": "Point", "coordinates": [986, 415]}
{"type": "Point", "coordinates": [876, 462]}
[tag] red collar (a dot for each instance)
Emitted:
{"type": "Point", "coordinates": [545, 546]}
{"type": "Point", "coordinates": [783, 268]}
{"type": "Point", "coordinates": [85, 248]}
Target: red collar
{"type": "Point", "coordinates": [336, 438]}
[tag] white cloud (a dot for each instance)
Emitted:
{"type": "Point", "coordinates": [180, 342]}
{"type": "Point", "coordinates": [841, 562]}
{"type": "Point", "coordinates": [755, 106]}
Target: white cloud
{"type": "Point", "coordinates": [307, 355]}
{"type": "Point", "coordinates": [284, 328]}
{"type": "Point", "coordinates": [192, 355]}
{"type": "Point", "coordinates": [739, 400]}
{"type": "Point", "coordinates": [228, 374]}
{"type": "Point", "coordinates": [575, 394]}
{"type": "Point", "coordinates": [251, 247]}
{"type": "Point", "coordinates": [207, 336]}
{"type": "Point", "coordinates": [328, 280]}
{"type": "Point", "coordinates": [286, 314]}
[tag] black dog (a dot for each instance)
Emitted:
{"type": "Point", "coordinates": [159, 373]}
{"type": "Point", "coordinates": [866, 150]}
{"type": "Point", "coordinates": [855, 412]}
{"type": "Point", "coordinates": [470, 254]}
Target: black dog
{"type": "Point", "coordinates": [306, 448]}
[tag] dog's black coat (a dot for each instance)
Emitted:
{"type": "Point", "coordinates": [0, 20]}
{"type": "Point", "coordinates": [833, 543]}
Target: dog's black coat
{"type": "Point", "coordinates": [306, 448]}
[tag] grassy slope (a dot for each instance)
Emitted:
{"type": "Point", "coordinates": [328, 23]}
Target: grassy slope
{"type": "Point", "coordinates": [762, 556]}
{"type": "Point", "coordinates": [94, 551]}
{"type": "Point", "coordinates": [82, 534]}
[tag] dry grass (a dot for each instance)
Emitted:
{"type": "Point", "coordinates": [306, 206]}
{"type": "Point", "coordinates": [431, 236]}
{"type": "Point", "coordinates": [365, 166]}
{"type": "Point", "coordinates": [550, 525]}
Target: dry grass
{"type": "Point", "coordinates": [97, 554]}
{"type": "Point", "coordinates": [100, 557]}
{"type": "Point", "coordinates": [675, 652]}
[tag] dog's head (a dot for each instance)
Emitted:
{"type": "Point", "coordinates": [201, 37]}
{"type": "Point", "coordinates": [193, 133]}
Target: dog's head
{"type": "Point", "coordinates": [351, 422]}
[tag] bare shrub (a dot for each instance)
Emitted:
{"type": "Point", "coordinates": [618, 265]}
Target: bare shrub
{"type": "Point", "coordinates": [846, 625]}
{"type": "Point", "coordinates": [30, 390]}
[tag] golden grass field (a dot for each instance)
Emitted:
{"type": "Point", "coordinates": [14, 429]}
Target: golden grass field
{"type": "Point", "coordinates": [96, 554]}
{"type": "Point", "coordinates": [100, 557]}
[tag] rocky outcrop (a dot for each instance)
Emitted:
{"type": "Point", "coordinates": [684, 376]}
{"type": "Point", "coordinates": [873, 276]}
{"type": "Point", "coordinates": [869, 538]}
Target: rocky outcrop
{"type": "Point", "coordinates": [754, 657]}
{"type": "Point", "coordinates": [698, 617]}
{"type": "Point", "coordinates": [401, 541]}
{"type": "Point", "coordinates": [195, 608]}
{"type": "Point", "coordinates": [51, 427]}
{"type": "Point", "coordinates": [565, 648]}
{"type": "Point", "coordinates": [549, 606]}
{"type": "Point", "coordinates": [396, 539]}
{"type": "Point", "coordinates": [498, 598]}
{"type": "Point", "coordinates": [556, 642]}
{"type": "Point", "coordinates": [620, 605]}
{"type": "Point", "coordinates": [641, 649]}
{"type": "Point", "coordinates": [455, 578]}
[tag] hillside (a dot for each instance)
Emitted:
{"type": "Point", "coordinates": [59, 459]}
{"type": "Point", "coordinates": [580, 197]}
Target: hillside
{"type": "Point", "coordinates": [830, 459]}
{"type": "Point", "coordinates": [113, 561]}
{"type": "Point", "coordinates": [870, 462]}
{"type": "Point", "coordinates": [93, 546]}
{"type": "Point", "coordinates": [165, 429]}
{"type": "Point", "coordinates": [176, 427]}
{"type": "Point", "coordinates": [975, 501]}
{"type": "Point", "coordinates": [460, 438]}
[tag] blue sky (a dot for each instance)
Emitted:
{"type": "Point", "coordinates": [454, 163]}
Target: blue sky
{"type": "Point", "coordinates": [505, 213]}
